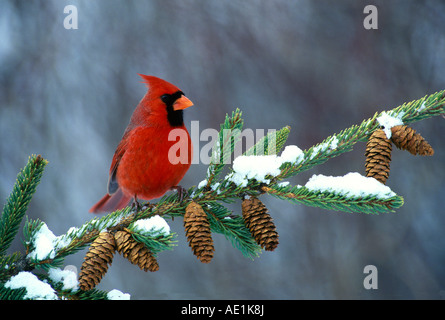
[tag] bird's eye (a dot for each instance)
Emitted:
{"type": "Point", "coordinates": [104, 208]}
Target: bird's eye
{"type": "Point", "coordinates": [165, 98]}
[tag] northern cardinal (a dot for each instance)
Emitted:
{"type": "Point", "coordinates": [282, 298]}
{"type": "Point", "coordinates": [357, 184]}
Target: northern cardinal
{"type": "Point", "coordinates": [141, 167]}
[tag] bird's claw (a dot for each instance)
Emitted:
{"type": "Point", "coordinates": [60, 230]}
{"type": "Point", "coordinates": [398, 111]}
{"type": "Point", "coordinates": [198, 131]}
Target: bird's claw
{"type": "Point", "coordinates": [181, 192]}
{"type": "Point", "coordinates": [136, 206]}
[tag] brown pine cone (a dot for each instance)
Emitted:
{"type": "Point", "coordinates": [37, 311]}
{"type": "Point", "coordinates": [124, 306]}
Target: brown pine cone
{"type": "Point", "coordinates": [96, 261]}
{"type": "Point", "coordinates": [407, 138]}
{"type": "Point", "coordinates": [260, 223]}
{"type": "Point", "coordinates": [197, 230]}
{"type": "Point", "coordinates": [378, 156]}
{"type": "Point", "coordinates": [136, 252]}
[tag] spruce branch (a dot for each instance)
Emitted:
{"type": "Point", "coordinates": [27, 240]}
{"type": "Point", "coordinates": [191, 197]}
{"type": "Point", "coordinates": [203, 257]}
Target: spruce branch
{"type": "Point", "coordinates": [250, 232]}
{"type": "Point", "coordinates": [332, 201]}
{"type": "Point", "coordinates": [333, 146]}
{"type": "Point", "coordinates": [17, 203]}
{"type": "Point", "coordinates": [272, 143]}
{"type": "Point", "coordinates": [11, 294]}
{"type": "Point", "coordinates": [9, 264]}
{"type": "Point", "coordinates": [227, 138]}
{"type": "Point", "coordinates": [157, 242]}
{"type": "Point", "coordinates": [224, 222]}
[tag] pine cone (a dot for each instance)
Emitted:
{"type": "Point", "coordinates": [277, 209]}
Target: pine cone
{"type": "Point", "coordinates": [96, 261]}
{"type": "Point", "coordinates": [197, 230]}
{"type": "Point", "coordinates": [260, 223]}
{"type": "Point", "coordinates": [406, 138]}
{"type": "Point", "coordinates": [378, 156]}
{"type": "Point", "coordinates": [136, 252]}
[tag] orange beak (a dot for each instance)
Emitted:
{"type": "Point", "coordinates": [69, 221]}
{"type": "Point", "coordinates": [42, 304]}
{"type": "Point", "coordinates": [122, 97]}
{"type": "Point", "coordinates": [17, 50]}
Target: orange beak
{"type": "Point", "coordinates": [182, 103]}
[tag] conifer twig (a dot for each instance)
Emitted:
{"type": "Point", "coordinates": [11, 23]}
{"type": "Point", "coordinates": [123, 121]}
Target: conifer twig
{"type": "Point", "coordinates": [209, 197]}
{"type": "Point", "coordinates": [17, 203]}
{"type": "Point", "coordinates": [410, 112]}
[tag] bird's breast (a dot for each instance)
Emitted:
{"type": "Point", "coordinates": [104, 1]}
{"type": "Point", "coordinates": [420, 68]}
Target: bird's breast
{"type": "Point", "coordinates": [155, 160]}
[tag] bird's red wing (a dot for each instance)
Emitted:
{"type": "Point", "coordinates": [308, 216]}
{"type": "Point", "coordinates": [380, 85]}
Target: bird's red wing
{"type": "Point", "coordinates": [120, 150]}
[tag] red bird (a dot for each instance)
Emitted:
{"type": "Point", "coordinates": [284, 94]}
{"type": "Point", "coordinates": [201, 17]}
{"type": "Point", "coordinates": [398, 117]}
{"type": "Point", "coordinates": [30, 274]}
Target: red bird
{"type": "Point", "coordinates": [142, 166]}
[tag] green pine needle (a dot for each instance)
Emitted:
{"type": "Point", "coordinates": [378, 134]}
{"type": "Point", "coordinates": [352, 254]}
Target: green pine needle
{"type": "Point", "coordinates": [332, 201]}
{"type": "Point", "coordinates": [413, 111]}
{"type": "Point", "coordinates": [272, 143]}
{"type": "Point", "coordinates": [156, 242]}
{"type": "Point", "coordinates": [18, 201]}
{"type": "Point", "coordinates": [227, 138]}
{"type": "Point", "coordinates": [233, 228]}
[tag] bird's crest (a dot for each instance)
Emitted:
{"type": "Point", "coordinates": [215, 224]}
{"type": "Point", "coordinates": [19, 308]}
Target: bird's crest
{"type": "Point", "coordinates": [158, 86]}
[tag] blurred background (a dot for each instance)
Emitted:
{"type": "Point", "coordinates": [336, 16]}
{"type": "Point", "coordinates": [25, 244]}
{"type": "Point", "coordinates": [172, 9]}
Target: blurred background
{"type": "Point", "coordinates": [68, 95]}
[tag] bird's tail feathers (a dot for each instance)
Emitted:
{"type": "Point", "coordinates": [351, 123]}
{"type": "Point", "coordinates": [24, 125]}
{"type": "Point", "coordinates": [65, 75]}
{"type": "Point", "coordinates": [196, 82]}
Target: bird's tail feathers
{"type": "Point", "coordinates": [110, 203]}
